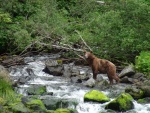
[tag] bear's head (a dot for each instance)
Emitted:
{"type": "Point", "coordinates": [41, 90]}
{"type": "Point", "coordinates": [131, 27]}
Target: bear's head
{"type": "Point", "coordinates": [88, 55]}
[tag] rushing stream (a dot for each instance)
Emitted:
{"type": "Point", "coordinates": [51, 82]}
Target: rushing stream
{"type": "Point", "coordinates": [60, 86]}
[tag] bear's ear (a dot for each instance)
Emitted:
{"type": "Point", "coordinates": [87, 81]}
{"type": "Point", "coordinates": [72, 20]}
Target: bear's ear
{"type": "Point", "coordinates": [84, 51]}
{"type": "Point", "coordinates": [91, 51]}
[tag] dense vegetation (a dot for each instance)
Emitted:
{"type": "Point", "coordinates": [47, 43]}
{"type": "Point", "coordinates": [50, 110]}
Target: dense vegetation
{"type": "Point", "coordinates": [115, 29]}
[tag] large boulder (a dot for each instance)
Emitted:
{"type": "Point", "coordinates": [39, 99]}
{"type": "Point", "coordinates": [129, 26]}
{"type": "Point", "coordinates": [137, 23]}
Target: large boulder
{"type": "Point", "coordinates": [122, 103]}
{"type": "Point", "coordinates": [127, 71]}
{"type": "Point", "coordinates": [96, 96]}
{"type": "Point", "coordinates": [54, 67]}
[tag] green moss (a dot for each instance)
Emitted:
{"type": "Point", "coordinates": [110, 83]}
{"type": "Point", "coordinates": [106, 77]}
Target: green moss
{"type": "Point", "coordinates": [124, 100]}
{"type": "Point", "coordinates": [49, 111]}
{"type": "Point", "coordinates": [97, 96]}
{"type": "Point", "coordinates": [35, 104]}
{"type": "Point", "coordinates": [36, 90]}
{"type": "Point", "coordinates": [135, 93]}
{"type": "Point", "coordinates": [59, 61]}
{"type": "Point", "coordinates": [141, 101]}
{"type": "Point", "coordinates": [144, 100]}
{"type": "Point", "coordinates": [65, 111]}
{"type": "Point", "coordinates": [18, 108]}
{"type": "Point", "coordinates": [122, 103]}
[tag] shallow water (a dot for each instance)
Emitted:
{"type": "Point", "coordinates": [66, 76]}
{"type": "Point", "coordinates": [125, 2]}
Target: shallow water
{"type": "Point", "coordinates": [62, 87]}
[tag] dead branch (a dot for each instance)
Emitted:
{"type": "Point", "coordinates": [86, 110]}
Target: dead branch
{"type": "Point", "coordinates": [83, 41]}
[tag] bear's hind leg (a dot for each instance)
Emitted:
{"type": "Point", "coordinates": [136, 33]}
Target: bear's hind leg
{"type": "Point", "coordinates": [115, 77]}
{"type": "Point", "coordinates": [110, 80]}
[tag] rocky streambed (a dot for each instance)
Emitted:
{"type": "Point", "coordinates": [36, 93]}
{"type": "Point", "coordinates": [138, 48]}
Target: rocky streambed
{"type": "Point", "coordinates": [56, 85]}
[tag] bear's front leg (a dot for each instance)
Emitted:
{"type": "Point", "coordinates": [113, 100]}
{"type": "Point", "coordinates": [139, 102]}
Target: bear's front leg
{"type": "Point", "coordinates": [95, 75]}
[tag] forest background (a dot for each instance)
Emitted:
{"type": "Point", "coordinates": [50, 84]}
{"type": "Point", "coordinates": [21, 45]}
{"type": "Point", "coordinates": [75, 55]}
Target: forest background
{"type": "Point", "coordinates": [117, 30]}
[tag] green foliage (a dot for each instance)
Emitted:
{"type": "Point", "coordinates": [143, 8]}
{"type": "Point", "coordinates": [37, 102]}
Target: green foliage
{"type": "Point", "coordinates": [117, 29]}
{"type": "Point", "coordinates": [6, 91]}
{"type": "Point", "coordinates": [142, 62]}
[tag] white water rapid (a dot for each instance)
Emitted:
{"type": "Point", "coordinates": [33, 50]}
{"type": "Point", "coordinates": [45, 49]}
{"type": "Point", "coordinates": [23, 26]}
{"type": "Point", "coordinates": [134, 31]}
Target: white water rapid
{"type": "Point", "coordinates": [61, 87]}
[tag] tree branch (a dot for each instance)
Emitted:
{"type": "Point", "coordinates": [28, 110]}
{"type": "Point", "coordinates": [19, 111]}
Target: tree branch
{"type": "Point", "coordinates": [83, 40]}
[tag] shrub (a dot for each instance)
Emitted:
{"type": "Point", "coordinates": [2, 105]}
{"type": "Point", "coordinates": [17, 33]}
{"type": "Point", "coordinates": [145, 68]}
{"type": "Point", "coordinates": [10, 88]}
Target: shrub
{"type": "Point", "coordinates": [142, 62]}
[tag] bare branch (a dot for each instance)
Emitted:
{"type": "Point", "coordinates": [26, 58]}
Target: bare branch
{"type": "Point", "coordinates": [83, 41]}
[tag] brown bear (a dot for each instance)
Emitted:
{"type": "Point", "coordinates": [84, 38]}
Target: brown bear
{"type": "Point", "coordinates": [101, 66]}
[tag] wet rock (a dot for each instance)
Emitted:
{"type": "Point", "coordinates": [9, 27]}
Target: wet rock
{"type": "Point", "coordinates": [144, 100]}
{"type": "Point", "coordinates": [13, 60]}
{"type": "Point", "coordinates": [96, 96]}
{"type": "Point", "coordinates": [36, 90]}
{"type": "Point", "coordinates": [52, 103]}
{"type": "Point", "coordinates": [19, 108]}
{"type": "Point", "coordinates": [36, 106]}
{"type": "Point", "coordinates": [90, 83]}
{"type": "Point", "coordinates": [146, 82]}
{"type": "Point", "coordinates": [103, 84]}
{"type": "Point", "coordinates": [138, 75]}
{"type": "Point", "coordinates": [117, 89]}
{"type": "Point", "coordinates": [146, 90]}
{"type": "Point", "coordinates": [127, 80]}
{"type": "Point", "coordinates": [67, 70]}
{"type": "Point", "coordinates": [54, 67]}
{"type": "Point", "coordinates": [122, 103]}
{"type": "Point", "coordinates": [127, 71]}
{"type": "Point", "coordinates": [76, 79]}
{"type": "Point", "coordinates": [23, 79]}
{"type": "Point", "coordinates": [135, 92]}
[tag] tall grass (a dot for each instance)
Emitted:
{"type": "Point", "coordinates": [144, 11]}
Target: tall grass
{"type": "Point", "coordinates": [6, 90]}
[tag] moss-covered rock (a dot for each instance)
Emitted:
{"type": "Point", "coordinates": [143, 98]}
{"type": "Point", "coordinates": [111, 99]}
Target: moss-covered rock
{"type": "Point", "coordinates": [36, 105]}
{"type": "Point", "coordinates": [144, 100]}
{"type": "Point", "coordinates": [96, 96]}
{"type": "Point", "coordinates": [65, 111]}
{"type": "Point", "coordinates": [135, 93]}
{"type": "Point", "coordinates": [19, 108]}
{"type": "Point", "coordinates": [52, 103]}
{"type": "Point", "coordinates": [122, 103]}
{"type": "Point", "coordinates": [36, 90]}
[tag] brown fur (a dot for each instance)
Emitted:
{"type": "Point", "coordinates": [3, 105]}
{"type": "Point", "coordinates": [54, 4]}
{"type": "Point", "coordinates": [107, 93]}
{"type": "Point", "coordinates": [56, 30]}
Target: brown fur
{"type": "Point", "coordinates": [101, 66]}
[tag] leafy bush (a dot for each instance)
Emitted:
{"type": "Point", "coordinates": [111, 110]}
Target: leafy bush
{"type": "Point", "coordinates": [142, 62]}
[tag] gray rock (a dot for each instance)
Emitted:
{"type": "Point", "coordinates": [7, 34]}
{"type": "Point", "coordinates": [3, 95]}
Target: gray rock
{"type": "Point", "coordinates": [4, 74]}
{"type": "Point", "coordinates": [127, 80]}
{"type": "Point", "coordinates": [146, 90]}
{"type": "Point", "coordinates": [52, 103]}
{"type": "Point", "coordinates": [90, 83]}
{"type": "Point", "coordinates": [127, 71]}
{"type": "Point", "coordinates": [135, 92]}
{"type": "Point", "coordinates": [54, 67]}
